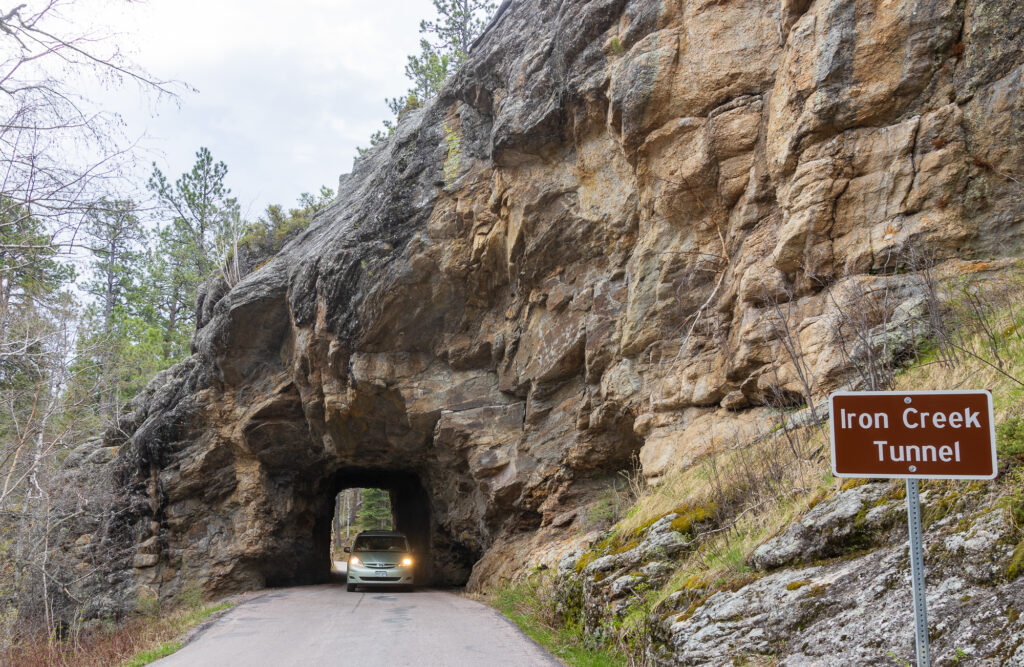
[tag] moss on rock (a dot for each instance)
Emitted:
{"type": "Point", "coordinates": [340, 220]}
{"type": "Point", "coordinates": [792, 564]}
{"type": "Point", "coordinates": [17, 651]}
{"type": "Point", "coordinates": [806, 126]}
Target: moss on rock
{"type": "Point", "coordinates": [1016, 566]}
{"type": "Point", "coordinates": [688, 516]}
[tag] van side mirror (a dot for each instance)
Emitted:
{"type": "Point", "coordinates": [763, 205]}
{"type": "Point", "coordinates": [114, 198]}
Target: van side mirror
{"type": "Point", "coordinates": [347, 550]}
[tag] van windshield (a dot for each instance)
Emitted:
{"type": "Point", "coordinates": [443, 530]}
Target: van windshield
{"type": "Point", "coordinates": [381, 543]}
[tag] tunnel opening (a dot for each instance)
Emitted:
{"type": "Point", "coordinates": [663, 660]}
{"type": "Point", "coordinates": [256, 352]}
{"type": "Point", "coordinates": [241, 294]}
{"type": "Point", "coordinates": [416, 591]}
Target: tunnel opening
{"type": "Point", "coordinates": [406, 508]}
{"type": "Point", "coordinates": [449, 498]}
{"type": "Point", "coordinates": [355, 510]}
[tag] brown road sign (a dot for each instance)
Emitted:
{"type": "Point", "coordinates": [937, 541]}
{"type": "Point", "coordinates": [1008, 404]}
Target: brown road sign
{"type": "Point", "coordinates": [913, 434]}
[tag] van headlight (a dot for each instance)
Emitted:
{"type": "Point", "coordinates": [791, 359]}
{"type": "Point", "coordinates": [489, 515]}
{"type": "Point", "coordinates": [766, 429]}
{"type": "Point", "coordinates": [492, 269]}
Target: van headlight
{"type": "Point", "coordinates": [406, 562]}
{"type": "Point", "coordinates": [354, 560]}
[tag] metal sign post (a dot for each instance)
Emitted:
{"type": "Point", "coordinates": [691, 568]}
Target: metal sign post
{"type": "Point", "coordinates": [914, 435]}
{"type": "Point", "coordinates": [917, 574]}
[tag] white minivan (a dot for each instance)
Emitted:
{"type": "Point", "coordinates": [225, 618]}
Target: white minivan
{"type": "Point", "coordinates": [380, 558]}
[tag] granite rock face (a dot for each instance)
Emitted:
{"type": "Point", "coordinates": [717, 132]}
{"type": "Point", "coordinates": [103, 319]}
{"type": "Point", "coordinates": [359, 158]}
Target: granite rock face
{"type": "Point", "coordinates": [830, 529]}
{"type": "Point", "coordinates": [602, 239]}
{"type": "Point", "coordinates": [858, 610]}
{"type": "Point", "coordinates": [832, 589]}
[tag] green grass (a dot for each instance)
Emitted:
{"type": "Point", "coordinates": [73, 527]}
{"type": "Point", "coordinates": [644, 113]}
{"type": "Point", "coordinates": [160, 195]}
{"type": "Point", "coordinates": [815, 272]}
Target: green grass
{"type": "Point", "coordinates": [200, 615]}
{"type": "Point", "coordinates": [527, 605]}
{"type": "Point", "coordinates": [152, 655]}
{"type": "Point", "coordinates": [175, 625]}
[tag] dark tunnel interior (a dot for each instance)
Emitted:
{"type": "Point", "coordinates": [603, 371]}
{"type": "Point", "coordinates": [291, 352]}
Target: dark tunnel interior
{"type": "Point", "coordinates": [299, 549]}
{"type": "Point", "coordinates": [410, 506]}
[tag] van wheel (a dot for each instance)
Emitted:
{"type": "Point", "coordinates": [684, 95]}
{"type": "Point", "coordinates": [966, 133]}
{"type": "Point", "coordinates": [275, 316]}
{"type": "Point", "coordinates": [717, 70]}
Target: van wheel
{"type": "Point", "coordinates": [350, 587]}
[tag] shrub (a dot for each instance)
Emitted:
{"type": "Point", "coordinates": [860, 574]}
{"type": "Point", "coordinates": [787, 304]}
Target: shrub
{"type": "Point", "coordinates": [1010, 440]}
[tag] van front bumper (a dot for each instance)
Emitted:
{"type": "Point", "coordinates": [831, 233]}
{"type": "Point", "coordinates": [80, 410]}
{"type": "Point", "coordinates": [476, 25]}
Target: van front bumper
{"type": "Point", "coordinates": [400, 575]}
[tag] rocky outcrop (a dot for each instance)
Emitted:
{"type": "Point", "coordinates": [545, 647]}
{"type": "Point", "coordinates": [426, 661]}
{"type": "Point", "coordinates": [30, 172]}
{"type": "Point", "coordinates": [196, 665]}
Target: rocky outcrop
{"type": "Point", "coordinates": [832, 589]}
{"type": "Point", "coordinates": [856, 611]}
{"type": "Point", "coordinates": [623, 228]}
{"type": "Point", "coordinates": [830, 529]}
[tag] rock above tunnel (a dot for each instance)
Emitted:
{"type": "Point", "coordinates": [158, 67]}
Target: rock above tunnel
{"type": "Point", "coordinates": [649, 206]}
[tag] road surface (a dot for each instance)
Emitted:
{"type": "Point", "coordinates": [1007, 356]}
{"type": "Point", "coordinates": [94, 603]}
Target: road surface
{"type": "Point", "coordinates": [326, 625]}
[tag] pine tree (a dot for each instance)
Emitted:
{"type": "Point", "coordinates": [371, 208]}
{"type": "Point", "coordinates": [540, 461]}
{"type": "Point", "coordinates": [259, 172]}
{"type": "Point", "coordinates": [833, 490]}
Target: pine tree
{"type": "Point", "coordinates": [375, 512]}
{"type": "Point", "coordinates": [460, 23]}
{"type": "Point", "coordinates": [32, 301]}
{"type": "Point", "coordinates": [120, 343]}
{"type": "Point", "coordinates": [205, 218]}
{"type": "Point", "coordinates": [114, 237]}
{"type": "Point", "coordinates": [36, 324]}
{"type": "Point", "coordinates": [31, 273]}
{"type": "Point", "coordinates": [166, 298]}
{"type": "Point", "coordinates": [204, 226]}
{"type": "Point", "coordinates": [443, 47]}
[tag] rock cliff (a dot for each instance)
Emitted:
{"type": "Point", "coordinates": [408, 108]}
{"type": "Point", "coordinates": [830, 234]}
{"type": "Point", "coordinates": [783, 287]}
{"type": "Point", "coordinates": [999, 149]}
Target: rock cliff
{"type": "Point", "coordinates": [605, 238]}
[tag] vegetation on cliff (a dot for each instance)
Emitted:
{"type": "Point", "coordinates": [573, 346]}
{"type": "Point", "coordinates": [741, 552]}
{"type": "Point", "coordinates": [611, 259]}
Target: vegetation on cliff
{"type": "Point", "coordinates": [743, 506]}
{"type": "Point", "coordinates": [443, 47]}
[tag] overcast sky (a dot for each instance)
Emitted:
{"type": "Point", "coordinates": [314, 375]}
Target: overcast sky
{"type": "Point", "coordinates": [285, 91]}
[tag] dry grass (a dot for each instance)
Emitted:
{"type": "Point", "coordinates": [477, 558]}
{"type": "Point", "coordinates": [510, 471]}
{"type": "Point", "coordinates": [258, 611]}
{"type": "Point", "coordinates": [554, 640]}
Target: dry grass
{"type": "Point", "coordinates": [720, 560]}
{"type": "Point", "coordinates": [738, 476]}
{"type": "Point", "coordinates": [758, 488]}
{"type": "Point", "coordinates": [137, 641]}
{"type": "Point", "coordinates": [933, 374]}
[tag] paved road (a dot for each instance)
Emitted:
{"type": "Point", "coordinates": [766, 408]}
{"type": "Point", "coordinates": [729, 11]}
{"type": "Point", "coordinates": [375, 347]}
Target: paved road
{"type": "Point", "coordinates": [325, 625]}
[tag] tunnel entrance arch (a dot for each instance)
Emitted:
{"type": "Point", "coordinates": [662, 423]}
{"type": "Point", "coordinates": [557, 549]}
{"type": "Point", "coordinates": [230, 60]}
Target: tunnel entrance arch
{"type": "Point", "coordinates": [297, 551]}
{"type": "Point", "coordinates": [291, 459]}
{"type": "Point", "coordinates": [251, 502]}
{"type": "Point", "coordinates": [410, 508]}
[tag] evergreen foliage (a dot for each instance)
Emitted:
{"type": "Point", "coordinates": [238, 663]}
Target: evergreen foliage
{"type": "Point", "coordinates": [31, 273]}
{"type": "Point", "coordinates": [275, 227]}
{"type": "Point", "coordinates": [443, 47]}
{"type": "Point", "coordinates": [205, 220]}
{"type": "Point", "coordinates": [35, 310]}
{"type": "Point", "coordinates": [112, 362]}
{"type": "Point", "coordinates": [459, 23]}
{"type": "Point", "coordinates": [375, 510]}
{"type": "Point", "coordinates": [204, 224]}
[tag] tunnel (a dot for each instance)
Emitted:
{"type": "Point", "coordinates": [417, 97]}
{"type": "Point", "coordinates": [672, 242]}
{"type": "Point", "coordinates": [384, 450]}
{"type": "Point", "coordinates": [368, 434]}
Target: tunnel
{"type": "Point", "coordinates": [440, 560]}
{"type": "Point", "coordinates": [245, 497]}
{"type": "Point", "coordinates": [278, 475]}
{"type": "Point", "coordinates": [410, 507]}
{"type": "Point", "coordinates": [451, 453]}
